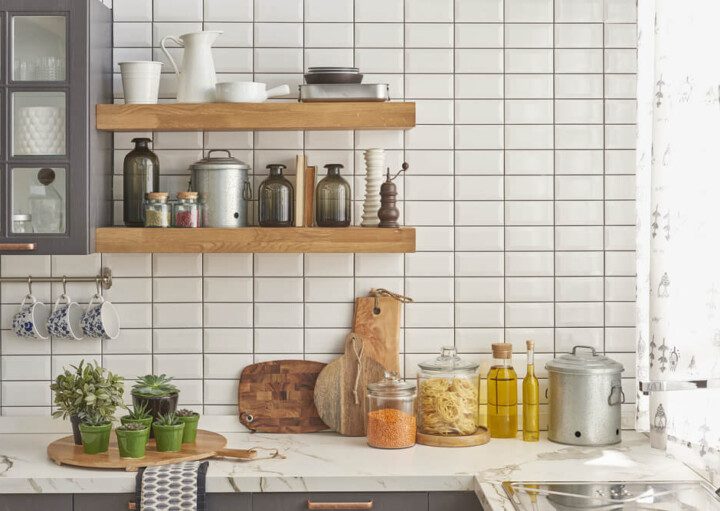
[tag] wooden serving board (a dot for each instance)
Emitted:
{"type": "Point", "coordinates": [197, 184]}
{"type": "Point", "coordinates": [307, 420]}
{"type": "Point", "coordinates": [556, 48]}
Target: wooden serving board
{"type": "Point", "coordinates": [207, 445]}
{"type": "Point", "coordinates": [334, 390]}
{"type": "Point", "coordinates": [277, 397]}
{"type": "Point", "coordinates": [480, 437]}
{"type": "Point", "coordinates": [380, 329]}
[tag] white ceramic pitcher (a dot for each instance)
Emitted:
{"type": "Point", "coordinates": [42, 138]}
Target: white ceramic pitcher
{"type": "Point", "coordinates": [196, 79]}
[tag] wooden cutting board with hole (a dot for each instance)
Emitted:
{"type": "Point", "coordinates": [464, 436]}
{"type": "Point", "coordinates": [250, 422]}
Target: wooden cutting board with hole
{"type": "Point", "coordinates": [277, 397]}
{"type": "Point", "coordinates": [380, 328]}
{"type": "Point", "coordinates": [336, 386]}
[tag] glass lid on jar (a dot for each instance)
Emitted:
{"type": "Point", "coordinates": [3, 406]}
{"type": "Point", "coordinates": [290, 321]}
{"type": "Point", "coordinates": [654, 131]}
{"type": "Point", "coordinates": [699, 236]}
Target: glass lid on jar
{"type": "Point", "coordinates": [392, 385]}
{"type": "Point", "coordinates": [449, 362]}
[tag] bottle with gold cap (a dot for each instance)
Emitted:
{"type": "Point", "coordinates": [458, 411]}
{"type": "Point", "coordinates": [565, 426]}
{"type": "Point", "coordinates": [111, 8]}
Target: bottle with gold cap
{"type": "Point", "coordinates": [531, 398]}
{"type": "Point", "coordinates": [502, 393]}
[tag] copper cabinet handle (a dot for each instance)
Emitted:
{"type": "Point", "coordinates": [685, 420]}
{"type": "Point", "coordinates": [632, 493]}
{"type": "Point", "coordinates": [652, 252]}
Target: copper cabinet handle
{"type": "Point", "coordinates": [339, 505]}
{"type": "Point", "coordinates": [17, 247]}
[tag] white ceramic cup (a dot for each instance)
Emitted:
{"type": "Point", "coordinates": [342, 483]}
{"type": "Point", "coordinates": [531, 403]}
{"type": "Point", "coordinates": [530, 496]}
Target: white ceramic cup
{"type": "Point", "coordinates": [247, 92]}
{"type": "Point", "coordinates": [100, 320]}
{"type": "Point", "coordinates": [64, 322]}
{"type": "Point", "coordinates": [141, 81]}
{"type": "Point", "coordinates": [31, 321]}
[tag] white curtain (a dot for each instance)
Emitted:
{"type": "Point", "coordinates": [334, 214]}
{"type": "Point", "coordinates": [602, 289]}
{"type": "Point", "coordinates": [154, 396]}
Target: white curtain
{"type": "Point", "coordinates": [678, 201]}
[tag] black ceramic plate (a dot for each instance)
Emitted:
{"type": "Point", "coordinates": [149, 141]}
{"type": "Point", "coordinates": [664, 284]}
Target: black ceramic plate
{"type": "Point", "coordinates": [316, 78]}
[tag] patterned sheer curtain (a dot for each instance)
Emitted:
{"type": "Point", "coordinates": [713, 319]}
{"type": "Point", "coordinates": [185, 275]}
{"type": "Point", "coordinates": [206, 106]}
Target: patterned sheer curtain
{"type": "Point", "coordinates": [678, 201]}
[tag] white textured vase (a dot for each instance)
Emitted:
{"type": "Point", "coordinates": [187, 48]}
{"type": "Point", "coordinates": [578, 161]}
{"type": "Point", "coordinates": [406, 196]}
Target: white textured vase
{"type": "Point", "coordinates": [374, 168]}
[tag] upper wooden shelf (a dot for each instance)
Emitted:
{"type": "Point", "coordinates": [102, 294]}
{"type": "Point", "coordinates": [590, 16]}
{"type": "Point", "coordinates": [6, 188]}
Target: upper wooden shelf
{"type": "Point", "coordinates": [274, 116]}
{"type": "Point", "coordinates": [255, 239]}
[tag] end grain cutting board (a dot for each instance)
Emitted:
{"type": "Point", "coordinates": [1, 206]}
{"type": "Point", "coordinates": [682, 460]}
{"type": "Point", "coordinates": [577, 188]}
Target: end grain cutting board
{"type": "Point", "coordinates": [336, 387]}
{"type": "Point", "coordinates": [277, 397]}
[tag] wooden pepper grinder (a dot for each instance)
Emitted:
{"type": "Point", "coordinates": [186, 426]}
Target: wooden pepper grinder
{"type": "Point", "coordinates": [388, 212]}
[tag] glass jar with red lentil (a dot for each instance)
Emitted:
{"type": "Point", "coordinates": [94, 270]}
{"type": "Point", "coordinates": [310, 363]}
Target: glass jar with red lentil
{"type": "Point", "coordinates": [186, 211]}
{"type": "Point", "coordinates": [390, 421]}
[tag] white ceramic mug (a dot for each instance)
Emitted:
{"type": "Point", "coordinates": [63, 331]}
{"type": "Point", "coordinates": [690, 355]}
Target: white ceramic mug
{"type": "Point", "coordinates": [141, 81]}
{"type": "Point", "coordinates": [100, 320]}
{"type": "Point", "coordinates": [31, 321]}
{"type": "Point", "coordinates": [64, 322]}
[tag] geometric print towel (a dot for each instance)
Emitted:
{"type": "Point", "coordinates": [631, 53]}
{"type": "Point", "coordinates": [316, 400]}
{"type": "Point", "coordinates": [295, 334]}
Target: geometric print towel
{"type": "Point", "coordinates": [176, 487]}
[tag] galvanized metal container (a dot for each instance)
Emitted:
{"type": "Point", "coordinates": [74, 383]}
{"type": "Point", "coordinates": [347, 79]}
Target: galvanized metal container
{"type": "Point", "coordinates": [585, 395]}
{"type": "Point", "coordinates": [223, 189]}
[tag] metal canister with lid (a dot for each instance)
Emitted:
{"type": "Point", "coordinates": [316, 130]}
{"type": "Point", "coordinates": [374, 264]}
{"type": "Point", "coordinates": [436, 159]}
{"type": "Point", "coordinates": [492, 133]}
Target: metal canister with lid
{"type": "Point", "coordinates": [224, 189]}
{"type": "Point", "coordinates": [585, 397]}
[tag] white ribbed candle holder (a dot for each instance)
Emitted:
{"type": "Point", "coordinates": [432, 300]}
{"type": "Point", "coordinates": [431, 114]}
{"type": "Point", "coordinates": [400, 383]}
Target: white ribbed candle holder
{"type": "Point", "coordinates": [374, 168]}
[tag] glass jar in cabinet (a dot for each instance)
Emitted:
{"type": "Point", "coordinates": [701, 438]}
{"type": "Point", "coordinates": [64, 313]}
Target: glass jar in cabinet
{"type": "Point", "coordinates": [448, 390]}
{"type": "Point", "coordinates": [157, 210]}
{"type": "Point", "coordinates": [186, 211]}
{"type": "Point", "coordinates": [391, 421]}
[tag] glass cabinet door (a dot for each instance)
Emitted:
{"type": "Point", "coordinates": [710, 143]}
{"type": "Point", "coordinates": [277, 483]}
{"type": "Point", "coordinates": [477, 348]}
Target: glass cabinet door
{"type": "Point", "coordinates": [38, 126]}
{"type": "Point", "coordinates": [38, 200]}
{"type": "Point", "coordinates": [39, 48]}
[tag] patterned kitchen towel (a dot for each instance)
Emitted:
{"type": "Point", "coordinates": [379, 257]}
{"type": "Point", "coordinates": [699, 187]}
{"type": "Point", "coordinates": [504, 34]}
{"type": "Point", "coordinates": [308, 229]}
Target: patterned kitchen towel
{"type": "Point", "coordinates": [176, 487]}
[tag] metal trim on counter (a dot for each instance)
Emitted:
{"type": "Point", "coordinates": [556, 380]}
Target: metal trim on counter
{"type": "Point", "coordinates": [646, 387]}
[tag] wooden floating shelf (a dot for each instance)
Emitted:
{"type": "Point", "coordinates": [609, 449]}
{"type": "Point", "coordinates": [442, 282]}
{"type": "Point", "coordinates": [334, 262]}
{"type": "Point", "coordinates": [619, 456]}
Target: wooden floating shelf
{"type": "Point", "coordinates": [256, 116]}
{"type": "Point", "coordinates": [255, 240]}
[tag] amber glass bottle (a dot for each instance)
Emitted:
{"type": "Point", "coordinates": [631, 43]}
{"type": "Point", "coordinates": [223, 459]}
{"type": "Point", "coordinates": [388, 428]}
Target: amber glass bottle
{"type": "Point", "coordinates": [502, 393]}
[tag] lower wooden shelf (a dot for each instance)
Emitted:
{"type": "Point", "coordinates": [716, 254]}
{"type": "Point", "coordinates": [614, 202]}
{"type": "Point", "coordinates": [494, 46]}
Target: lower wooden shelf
{"type": "Point", "coordinates": [255, 239]}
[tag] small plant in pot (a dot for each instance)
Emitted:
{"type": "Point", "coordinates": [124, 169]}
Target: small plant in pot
{"type": "Point", "coordinates": [95, 430]}
{"type": "Point", "coordinates": [190, 419]}
{"type": "Point", "coordinates": [131, 439]}
{"type": "Point", "coordinates": [83, 388]}
{"type": "Point", "coordinates": [168, 429]}
{"type": "Point", "coordinates": [157, 393]}
{"type": "Point", "coordinates": [139, 414]}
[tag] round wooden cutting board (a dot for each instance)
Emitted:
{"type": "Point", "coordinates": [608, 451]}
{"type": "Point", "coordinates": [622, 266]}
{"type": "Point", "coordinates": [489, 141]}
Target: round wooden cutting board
{"type": "Point", "coordinates": [480, 437]}
{"type": "Point", "coordinates": [65, 452]}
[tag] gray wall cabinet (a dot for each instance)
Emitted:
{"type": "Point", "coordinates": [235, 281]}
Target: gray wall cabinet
{"type": "Point", "coordinates": [56, 182]}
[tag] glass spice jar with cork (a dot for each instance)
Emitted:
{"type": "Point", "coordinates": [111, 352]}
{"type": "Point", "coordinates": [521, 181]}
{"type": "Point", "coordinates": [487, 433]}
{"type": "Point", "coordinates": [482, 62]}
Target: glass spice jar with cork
{"type": "Point", "coordinates": [157, 210]}
{"type": "Point", "coordinates": [186, 210]}
{"type": "Point", "coordinates": [390, 420]}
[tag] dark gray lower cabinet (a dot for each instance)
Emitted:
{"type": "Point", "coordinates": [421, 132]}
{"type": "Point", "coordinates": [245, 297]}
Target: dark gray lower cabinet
{"type": "Point", "coordinates": [382, 501]}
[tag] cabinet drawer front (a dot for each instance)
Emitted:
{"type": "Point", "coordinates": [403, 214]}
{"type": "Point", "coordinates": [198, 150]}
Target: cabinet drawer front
{"type": "Point", "coordinates": [104, 502]}
{"type": "Point", "coordinates": [36, 502]}
{"type": "Point", "coordinates": [380, 501]}
{"type": "Point", "coordinates": [454, 501]}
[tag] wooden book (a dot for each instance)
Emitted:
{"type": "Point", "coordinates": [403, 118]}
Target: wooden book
{"type": "Point", "coordinates": [299, 190]}
{"type": "Point", "coordinates": [309, 196]}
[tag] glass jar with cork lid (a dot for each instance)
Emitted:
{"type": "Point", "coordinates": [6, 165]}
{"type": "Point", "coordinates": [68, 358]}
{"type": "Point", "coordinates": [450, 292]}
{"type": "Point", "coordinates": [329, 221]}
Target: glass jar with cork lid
{"type": "Point", "coordinates": [186, 210]}
{"type": "Point", "coordinates": [502, 402]}
{"type": "Point", "coordinates": [157, 210]}
{"type": "Point", "coordinates": [390, 421]}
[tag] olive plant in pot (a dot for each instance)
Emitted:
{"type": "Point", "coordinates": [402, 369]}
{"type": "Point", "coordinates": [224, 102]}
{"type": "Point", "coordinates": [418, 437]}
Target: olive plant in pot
{"type": "Point", "coordinates": [190, 419]}
{"type": "Point", "coordinates": [157, 393]}
{"type": "Point", "coordinates": [131, 439]}
{"type": "Point", "coordinates": [139, 414]}
{"type": "Point", "coordinates": [83, 388]}
{"type": "Point", "coordinates": [168, 429]}
{"type": "Point", "coordinates": [95, 430]}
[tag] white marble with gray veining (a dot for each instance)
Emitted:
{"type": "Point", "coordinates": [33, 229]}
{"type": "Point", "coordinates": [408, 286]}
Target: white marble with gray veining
{"type": "Point", "coordinates": [328, 462]}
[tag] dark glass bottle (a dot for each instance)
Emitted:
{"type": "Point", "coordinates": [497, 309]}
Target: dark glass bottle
{"type": "Point", "coordinates": [141, 175]}
{"type": "Point", "coordinates": [276, 199]}
{"type": "Point", "coordinates": [332, 199]}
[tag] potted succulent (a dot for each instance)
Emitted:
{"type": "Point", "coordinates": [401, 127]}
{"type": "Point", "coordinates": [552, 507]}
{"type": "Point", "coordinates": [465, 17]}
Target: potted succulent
{"type": "Point", "coordinates": [95, 431]}
{"type": "Point", "coordinates": [190, 419]}
{"type": "Point", "coordinates": [131, 439]}
{"type": "Point", "coordinates": [157, 393]}
{"type": "Point", "coordinates": [139, 414]}
{"type": "Point", "coordinates": [85, 387]}
{"type": "Point", "coordinates": [168, 429]}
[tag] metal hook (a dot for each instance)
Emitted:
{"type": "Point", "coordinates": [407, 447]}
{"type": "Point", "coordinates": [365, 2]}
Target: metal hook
{"type": "Point", "coordinates": [30, 285]}
{"type": "Point", "coordinates": [98, 286]}
{"type": "Point", "coordinates": [64, 283]}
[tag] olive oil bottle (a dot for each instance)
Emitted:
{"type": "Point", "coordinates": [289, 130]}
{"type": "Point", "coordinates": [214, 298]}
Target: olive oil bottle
{"type": "Point", "coordinates": [531, 398]}
{"type": "Point", "coordinates": [502, 393]}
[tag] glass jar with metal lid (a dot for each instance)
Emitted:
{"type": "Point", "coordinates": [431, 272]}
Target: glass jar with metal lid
{"type": "Point", "coordinates": [223, 189]}
{"type": "Point", "coordinates": [391, 422]}
{"type": "Point", "coordinates": [157, 210]}
{"type": "Point", "coordinates": [186, 210]}
{"type": "Point", "coordinates": [22, 223]}
{"type": "Point", "coordinates": [448, 389]}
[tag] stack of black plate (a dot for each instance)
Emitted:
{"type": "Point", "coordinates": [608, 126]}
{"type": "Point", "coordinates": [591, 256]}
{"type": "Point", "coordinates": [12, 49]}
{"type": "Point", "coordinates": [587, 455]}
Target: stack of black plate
{"type": "Point", "coordinates": [318, 75]}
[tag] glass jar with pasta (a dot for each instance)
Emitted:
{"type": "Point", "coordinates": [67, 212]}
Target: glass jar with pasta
{"type": "Point", "coordinates": [448, 389]}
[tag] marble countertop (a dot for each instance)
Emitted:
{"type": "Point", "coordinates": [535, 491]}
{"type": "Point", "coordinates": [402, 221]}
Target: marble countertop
{"type": "Point", "coordinates": [329, 462]}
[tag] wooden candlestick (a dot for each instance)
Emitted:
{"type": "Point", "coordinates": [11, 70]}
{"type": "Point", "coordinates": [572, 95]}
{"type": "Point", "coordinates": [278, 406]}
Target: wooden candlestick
{"type": "Point", "coordinates": [388, 213]}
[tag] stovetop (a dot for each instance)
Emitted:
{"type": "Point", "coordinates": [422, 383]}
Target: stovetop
{"type": "Point", "coordinates": [612, 496]}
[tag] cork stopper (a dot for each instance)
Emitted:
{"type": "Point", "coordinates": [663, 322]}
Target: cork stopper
{"type": "Point", "coordinates": [530, 344]}
{"type": "Point", "coordinates": [187, 195]}
{"type": "Point", "coordinates": [502, 350]}
{"type": "Point", "coordinates": [157, 196]}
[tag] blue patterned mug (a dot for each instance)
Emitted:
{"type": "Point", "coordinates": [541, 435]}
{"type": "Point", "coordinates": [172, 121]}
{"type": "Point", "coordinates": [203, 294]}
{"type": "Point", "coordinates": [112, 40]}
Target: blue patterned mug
{"type": "Point", "coordinates": [31, 321]}
{"type": "Point", "coordinates": [64, 322]}
{"type": "Point", "coordinates": [100, 320]}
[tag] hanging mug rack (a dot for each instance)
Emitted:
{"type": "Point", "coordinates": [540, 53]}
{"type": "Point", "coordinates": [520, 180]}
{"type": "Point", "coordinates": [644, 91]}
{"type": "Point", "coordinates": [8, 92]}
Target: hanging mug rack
{"type": "Point", "coordinates": [103, 280]}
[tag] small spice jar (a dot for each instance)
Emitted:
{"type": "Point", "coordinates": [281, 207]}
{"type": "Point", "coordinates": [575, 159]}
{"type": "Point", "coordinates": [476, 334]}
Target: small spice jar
{"type": "Point", "coordinates": [186, 210]}
{"type": "Point", "coordinates": [157, 210]}
{"type": "Point", "coordinates": [22, 223]}
{"type": "Point", "coordinates": [391, 422]}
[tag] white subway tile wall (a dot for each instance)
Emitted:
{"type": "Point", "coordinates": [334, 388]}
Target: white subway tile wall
{"type": "Point", "coordinates": [521, 186]}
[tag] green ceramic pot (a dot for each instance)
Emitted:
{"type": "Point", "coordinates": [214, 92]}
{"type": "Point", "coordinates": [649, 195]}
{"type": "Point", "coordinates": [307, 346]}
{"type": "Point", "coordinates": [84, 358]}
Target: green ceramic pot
{"type": "Point", "coordinates": [95, 439]}
{"type": "Point", "coordinates": [131, 444]}
{"type": "Point", "coordinates": [147, 422]}
{"type": "Point", "coordinates": [168, 438]}
{"type": "Point", "coordinates": [190, 430]}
